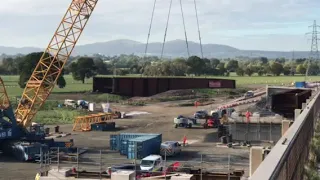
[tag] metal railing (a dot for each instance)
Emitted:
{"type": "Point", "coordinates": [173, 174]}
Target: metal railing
{"type": "Point", "coordinates": [100, 162]}
{"type": "Point", "coordinates": [287, 158]}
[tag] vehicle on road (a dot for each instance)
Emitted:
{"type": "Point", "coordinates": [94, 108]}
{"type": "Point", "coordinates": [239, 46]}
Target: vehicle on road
{"type": "Point", "coordinates": [249, 94]}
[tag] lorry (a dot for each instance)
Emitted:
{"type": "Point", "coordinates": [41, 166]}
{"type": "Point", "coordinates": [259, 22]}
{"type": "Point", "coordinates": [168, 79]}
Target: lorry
{"type": "Point", "coordinates": [152, 163]}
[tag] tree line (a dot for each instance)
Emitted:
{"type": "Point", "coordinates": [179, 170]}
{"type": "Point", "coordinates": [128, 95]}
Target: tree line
{"type": "Point", "coordinates": [87, 67]}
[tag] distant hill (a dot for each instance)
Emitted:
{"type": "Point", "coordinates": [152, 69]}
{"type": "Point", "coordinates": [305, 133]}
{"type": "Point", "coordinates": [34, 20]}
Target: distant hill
{"type": "Point", "coordinates": [176, 48]}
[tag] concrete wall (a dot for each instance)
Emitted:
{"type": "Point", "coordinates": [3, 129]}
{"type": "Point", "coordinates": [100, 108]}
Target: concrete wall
{"type": "Point", "coordinates": [255, 132]}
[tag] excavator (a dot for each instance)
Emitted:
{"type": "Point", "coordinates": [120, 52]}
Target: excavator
{"type": "Point", "coordinates": [17, 135]}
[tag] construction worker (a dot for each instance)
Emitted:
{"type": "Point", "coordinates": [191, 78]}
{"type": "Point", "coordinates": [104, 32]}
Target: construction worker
{"type": "Point", "coordinates": [248, 114]}
{"type": "Point", "coordinates": [184, 140]}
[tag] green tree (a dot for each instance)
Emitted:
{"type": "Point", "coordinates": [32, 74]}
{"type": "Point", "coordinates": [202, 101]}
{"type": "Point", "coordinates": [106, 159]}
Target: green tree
{"type": "Point", "coordinates": [11, 65]}
{"type": "Point", "coordinates": [27, 65]}
{"type": "Point", "coordinates": [240, 72]}
{"type": "Point", "coordinates": [101, 67]}
{"type": "Point", "coordinates": [287, 70]}
{"type": "Point", "coordinates": [313, 69]}
{"type": "Point", "coordinates": [249, 71]}
{"type": "Point", "coordinates": [232, 65]}
{"type": "Point", "coordinates": [276, 68]}
{"type": "Point", "coordinates": [263, 60]}
{"type": "Point", "coordinates": [301, 69]}
{"type": "Point", "coordinates": [83, 68]}
{"type": "Point", "coordinates": [196, 64]}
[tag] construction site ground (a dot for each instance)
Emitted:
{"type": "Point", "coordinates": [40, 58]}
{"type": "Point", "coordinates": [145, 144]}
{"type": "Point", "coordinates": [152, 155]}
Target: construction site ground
{"type": "Point", "coordinates": [160, 120]}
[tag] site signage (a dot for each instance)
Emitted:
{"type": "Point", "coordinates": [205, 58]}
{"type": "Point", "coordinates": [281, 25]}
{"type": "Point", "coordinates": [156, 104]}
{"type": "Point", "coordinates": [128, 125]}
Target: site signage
{"type": "Point", "coordinates": [214, 84]}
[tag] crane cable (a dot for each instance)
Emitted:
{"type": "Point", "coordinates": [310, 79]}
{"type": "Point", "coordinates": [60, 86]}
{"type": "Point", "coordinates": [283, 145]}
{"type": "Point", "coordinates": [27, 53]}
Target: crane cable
{"type": "Point", "coordinates": [166, 30]}
{"type": "Point", "coordinates": [150, 26]}
{"type": "Point", "coordinates": [185, 31]}
{"type": "Point", "coordinates": [151, 21]}
{"type": "Point", "coordinates": [196, 9]}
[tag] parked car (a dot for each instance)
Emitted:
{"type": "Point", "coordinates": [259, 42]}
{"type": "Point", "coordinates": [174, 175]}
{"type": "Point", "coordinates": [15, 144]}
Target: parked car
{"type": "Point", "coordinates": [170, 148]}
{"type": "Point", "coordinates": [182, 121]}
{"type": "Point", "coordinates": [201, 114]}
{"type": "Point", "coordinates": [152, 163]}
{"type": "Point", "coordinates": [70, 103]}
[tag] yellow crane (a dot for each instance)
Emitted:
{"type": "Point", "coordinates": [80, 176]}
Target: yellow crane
{"type": "Point", "coordinates": [50, 65]}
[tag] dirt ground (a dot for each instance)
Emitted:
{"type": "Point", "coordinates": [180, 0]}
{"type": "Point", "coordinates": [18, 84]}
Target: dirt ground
{"type": "Point", "coordinates": [202, 142]}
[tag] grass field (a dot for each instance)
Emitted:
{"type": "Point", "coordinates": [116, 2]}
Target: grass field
{"type": "Point", "coordinates": [13, 89]}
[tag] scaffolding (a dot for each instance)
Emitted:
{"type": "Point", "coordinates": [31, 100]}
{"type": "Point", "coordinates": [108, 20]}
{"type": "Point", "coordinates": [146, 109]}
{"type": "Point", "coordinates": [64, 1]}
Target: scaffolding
{"type": "Point", "coordinates": [83, 123]}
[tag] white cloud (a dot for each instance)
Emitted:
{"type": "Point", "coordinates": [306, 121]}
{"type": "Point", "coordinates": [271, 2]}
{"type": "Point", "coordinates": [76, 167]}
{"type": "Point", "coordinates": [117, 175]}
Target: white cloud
{"type": "Point", "coordinates": [246, 24]}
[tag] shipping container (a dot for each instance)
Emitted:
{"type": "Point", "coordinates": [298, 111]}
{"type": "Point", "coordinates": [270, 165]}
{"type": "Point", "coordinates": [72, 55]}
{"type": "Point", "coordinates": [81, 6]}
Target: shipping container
{"type": "Point", "coordinates": [300, 84]}
{"type": "Point", "coordinates": [116, 140]}
{"type": "Point", "coordinates": [141, 147]}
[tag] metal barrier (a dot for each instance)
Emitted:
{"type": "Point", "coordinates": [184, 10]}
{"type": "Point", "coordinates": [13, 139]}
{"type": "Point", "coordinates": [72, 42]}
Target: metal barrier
{"type": "Point", "coordinates": [287, 158]}
{"type": "Point", "coordinates": [100, 162]}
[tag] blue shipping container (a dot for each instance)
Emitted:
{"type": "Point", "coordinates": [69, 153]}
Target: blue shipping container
{"type": "Point", "coordinates": [300, 84]}
{"type": "Point", "coordinates": [116, 140]}
{"type": "Point", "coordinates": [143, 146]}
{"type": "Point", "coordinates": [113, 141]}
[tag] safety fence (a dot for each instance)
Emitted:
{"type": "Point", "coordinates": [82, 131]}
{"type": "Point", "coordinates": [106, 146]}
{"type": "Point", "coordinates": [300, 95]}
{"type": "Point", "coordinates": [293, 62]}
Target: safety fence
{"type": "Point", "coordinates": [287, 158]}
{"type": "Point", "coordinates": [105, 162]}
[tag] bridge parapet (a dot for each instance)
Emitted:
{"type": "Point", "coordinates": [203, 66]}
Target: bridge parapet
{"type": "Point", "coordinates": [287, 158]}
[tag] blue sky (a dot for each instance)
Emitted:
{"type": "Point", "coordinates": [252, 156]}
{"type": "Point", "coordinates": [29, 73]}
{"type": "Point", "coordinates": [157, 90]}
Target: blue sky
{"type": "Point", "coordinates": [244, 24]}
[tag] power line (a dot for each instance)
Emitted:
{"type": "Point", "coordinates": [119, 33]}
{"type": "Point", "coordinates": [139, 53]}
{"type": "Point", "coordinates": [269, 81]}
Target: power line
{"type": "Point", "coordinates": [314, 52]}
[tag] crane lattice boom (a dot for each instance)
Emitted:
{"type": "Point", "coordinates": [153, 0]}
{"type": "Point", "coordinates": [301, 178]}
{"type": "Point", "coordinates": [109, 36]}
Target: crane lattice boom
{"type": "Point", "coordinates": [4, 100]}
{"type": "Point", "coordinates": [49, 67]}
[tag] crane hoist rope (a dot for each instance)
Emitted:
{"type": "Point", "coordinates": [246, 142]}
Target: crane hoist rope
{"type": "Point", "coordinates": [184, 27]}
{"type": "Point", "coordinates": [166, 30]}
{"type": "Point", "coordinates": [196, 10]}
{"type": "Point", "coordinates": [150, 26]}
{"type": "Point", "coordinates": [50, 65]}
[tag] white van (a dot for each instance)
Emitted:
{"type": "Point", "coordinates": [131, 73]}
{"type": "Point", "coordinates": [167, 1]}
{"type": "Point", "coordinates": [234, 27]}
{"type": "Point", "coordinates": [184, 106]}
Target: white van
{"type": "Point", "coordinates": [152, 163]}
